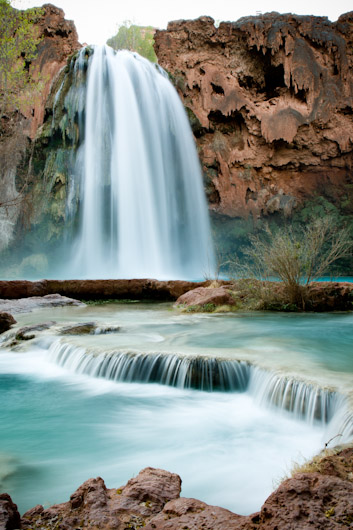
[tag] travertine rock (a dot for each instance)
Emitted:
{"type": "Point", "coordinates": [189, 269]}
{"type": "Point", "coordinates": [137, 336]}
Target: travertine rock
{"type": "Point", "coordinates": [319, 500]}
{"type": "Point", "coordinates": [6, 321]}
{"type": "Point", "coordinates": [9, 516]}
{"type": "Point", "coordinates": [202, 296]}
{"type": "Point", "coordinates": [59, 41]}
{"type": "Point", "coordinates": [98, 289]}
{"type": "Point", "coordinates": [93, 506]}
{"type": "Point", "coordinates": [271, 103]}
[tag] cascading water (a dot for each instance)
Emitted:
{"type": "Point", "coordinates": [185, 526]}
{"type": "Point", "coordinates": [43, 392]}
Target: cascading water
{"type": "Point", "coordinates": [137, 188]}
{"type": "Point", "coordinates": [305, 401]}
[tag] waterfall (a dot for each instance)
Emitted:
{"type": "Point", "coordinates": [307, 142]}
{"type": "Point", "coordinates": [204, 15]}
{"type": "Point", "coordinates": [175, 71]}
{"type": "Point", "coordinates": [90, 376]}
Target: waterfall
{"type": "Point", "coordinates": [202, 373]}
{"type": "Point", "coordinates": [137, 189]}
{"type": "Point", "coordinates": [303, 400]}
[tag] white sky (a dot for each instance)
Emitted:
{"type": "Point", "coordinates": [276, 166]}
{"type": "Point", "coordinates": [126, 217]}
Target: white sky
{"type": "Point", "coordinates": [97, 20]}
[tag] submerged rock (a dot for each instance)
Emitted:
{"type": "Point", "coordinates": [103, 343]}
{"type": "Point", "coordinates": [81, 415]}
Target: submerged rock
{"type": "Point", "coordinates": [6, 321]}
{"type": "Point", "coordinates": [28, 332]}
{"type": "Point", "coordinates": [87, 328]}
{"type": "Point", "coordinates": [25, 305]}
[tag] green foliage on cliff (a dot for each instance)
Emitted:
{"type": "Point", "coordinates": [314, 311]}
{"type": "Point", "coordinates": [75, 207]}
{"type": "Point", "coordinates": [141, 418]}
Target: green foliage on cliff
{"type": "Point", "coordinates": [18, 46]}
{"type": "Point", "coordinates": [135, 38]}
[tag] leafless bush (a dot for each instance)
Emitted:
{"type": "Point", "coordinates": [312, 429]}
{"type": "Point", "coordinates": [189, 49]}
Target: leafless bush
{"type": "Point", "coordinates": [297, 258]}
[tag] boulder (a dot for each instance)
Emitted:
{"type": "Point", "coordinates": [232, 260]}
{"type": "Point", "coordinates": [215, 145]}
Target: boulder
{"type": "Point", "coordinates": [6, 321]}
{"type": "Point", "coordinates": [204, 296]}
{"type": "Point", "coordinates": [93, 506]}
{"type": "Point", "coordinates": [9, 517]}
{"type": "Point", "coordinates": [319, 498]}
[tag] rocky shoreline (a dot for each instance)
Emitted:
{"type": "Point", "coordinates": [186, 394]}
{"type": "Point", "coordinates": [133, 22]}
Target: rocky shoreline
{"type": "Point", "coordinates": [318, 497]}
{"type": "Point", "coordinates": [237, 294]}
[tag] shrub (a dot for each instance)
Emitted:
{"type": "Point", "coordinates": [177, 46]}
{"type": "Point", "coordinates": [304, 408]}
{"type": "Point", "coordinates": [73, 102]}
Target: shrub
{"type": "Point", "coordinates": [297, 258]}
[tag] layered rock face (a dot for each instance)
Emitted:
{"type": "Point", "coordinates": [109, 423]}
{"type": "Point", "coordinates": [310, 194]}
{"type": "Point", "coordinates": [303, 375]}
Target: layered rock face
{"type": "Point", "coordinates": [271, 103]}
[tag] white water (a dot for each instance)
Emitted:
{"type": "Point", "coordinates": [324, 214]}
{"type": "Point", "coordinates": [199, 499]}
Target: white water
{"type": "Point", "coordinates": [72, 407]}
{"type": "Point", "coordinates": [141, 205]}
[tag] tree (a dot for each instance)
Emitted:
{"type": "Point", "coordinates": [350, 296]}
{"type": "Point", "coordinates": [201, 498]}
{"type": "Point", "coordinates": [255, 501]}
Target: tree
{"type": "Point", "coordinates": [134, 38]}
{"type": "Point", "coordinates": [297, 258]}
{"type": "Point", "coordinates": [18, 46]}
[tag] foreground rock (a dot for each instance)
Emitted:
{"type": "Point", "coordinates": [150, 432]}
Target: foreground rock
{"type": "Point", "coordinates": [6, 321]}
{"type": "Point", "coordinates": [320, 498]}
{"type": "Point", "coordinates": [93, 506]}
{"type": "Point", "coordinates": [9, 517]}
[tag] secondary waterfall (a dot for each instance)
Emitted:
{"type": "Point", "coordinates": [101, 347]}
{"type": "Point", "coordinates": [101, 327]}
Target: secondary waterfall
{"type": "Point", "coordinates": [305, 401]}
{"type": "Point", "coordinates": [137, 188]}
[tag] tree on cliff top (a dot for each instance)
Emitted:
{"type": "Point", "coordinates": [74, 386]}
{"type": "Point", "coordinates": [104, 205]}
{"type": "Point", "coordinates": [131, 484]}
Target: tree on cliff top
{"type": "Point", "coordinates": [135, 38]}
{"type": "Point", "coordinates": [18, 46]}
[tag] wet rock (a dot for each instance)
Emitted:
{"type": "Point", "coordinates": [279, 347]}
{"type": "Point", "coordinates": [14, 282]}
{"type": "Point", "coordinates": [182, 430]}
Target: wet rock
{"type": "Point", "coordinates": [27, 332]}
{"type": "Point", "coordinates": [25, 305]}
{"type": "Point", "coordinates": [88, 328]}
{"type": "Point", "coordinates": [138, 289]}
{"type": "Point", "coordinates": [9, 517]}
{"type": "Point", "coordinates": [6, 321]}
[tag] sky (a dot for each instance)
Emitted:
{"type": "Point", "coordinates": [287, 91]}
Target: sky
{"type": "Point", "coordinates": [98, 20]}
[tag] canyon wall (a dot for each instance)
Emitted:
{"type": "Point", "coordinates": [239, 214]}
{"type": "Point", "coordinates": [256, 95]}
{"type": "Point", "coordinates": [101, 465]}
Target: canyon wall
{"type": "Point", "coordinates": [270, 99]}
{"type": "Point", "coordinates": [25, 191]}
{"type": "Point", "coordinates": [270, 102]}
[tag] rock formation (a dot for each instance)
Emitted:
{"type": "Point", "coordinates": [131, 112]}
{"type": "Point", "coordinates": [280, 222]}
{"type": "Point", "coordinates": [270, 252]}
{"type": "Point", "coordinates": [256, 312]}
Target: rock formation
{"type": "Point", "coordinates": [59, 41]}
{"type": "Point", "coordinates": [271, 103]}
{"type": "Point", "coordinates": [6, 321]}
{"type": "Point", "coordinates": [319, 498]}
{"type": "Point", "coordinates": [19, 128]}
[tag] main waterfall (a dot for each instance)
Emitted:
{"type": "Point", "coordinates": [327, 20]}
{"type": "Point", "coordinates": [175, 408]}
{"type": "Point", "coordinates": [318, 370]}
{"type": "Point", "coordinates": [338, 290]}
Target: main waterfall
{"type": "Point", "coordinates": [137, 186]}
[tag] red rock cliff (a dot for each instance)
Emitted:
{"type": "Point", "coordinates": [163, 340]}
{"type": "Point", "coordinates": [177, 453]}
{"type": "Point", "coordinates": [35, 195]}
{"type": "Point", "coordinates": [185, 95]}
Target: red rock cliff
{"type": "Point", "coordinates": [270, 99]}
{"type": "Point", "coordinates": [59, 41]}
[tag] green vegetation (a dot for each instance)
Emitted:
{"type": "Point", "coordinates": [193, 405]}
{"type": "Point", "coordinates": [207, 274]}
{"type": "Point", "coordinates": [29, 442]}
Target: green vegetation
{"type": "Point", "coordinates": [135, 38]}
{"type": "Point", "coordinates": [18, 47]}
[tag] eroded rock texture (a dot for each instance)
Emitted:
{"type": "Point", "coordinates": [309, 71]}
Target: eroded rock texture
{"type": "Point", "coordinates": [318, 499]}
{"type": "Point", "coordinates": [59, 41]}
{"type": "Point", "coordinates": [22, 190]}
{"type": "Point", "coordinates": [270, 99]}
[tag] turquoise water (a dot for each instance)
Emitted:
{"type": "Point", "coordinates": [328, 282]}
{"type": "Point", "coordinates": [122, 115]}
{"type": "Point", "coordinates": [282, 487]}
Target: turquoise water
{"type": "Point", "coordinates": [58, 428]}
